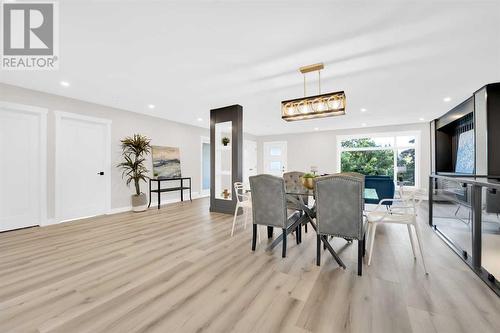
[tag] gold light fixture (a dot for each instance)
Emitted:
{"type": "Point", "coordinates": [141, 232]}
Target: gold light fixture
{"type": "Point", "coordinates": [318, 106]}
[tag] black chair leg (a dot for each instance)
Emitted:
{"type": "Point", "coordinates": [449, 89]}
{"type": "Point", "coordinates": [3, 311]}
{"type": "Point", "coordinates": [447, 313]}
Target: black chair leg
{"type": "Point", "coordinates": [297, 235]}
{"type": "Point", "coordinates": [283, 254]}
{"type": "Point", "coordinates": [269, 232]}
{"type": "Point", "coordinates": [305, 227]}
{"type": "Point", "coordinates": [360, 257]}
{"type": "Point", "coordinates": [254, 236]}
{"type": "Point", "coordinates": [318, 250]}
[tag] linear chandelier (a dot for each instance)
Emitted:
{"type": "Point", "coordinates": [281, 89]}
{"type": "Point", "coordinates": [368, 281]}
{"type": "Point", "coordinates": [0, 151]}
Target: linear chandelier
{"type": "Point", "coordinates": [318, 106]}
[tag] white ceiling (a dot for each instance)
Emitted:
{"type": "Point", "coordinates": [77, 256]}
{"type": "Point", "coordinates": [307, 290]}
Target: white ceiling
{"type": "Point", "coordinates": [397, 59]}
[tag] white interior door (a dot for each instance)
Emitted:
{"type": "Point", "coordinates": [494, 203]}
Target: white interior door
{"type": "Point", "coordinates": [82, 167]}
{"type": "Point", "coordinates": [275, 158]}
{"type": "Point", "coordinates": [23, 167]}
{"type": "Point", "coordinates": [249, 159]}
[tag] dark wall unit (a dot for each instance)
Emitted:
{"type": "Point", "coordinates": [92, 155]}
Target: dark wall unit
{"type": "Point", "coordinates": [226, 160]}
{"type": "Point", "coordinates": [480, 114]}
{"type": "Point", "coordinates": [493, 107]}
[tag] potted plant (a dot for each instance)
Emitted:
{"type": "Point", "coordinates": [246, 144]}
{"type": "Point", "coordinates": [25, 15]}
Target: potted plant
{"type": "Point", "coordinates": [308, 180]}
{"type": "Point", "coordinates": [134, 151]}
{"type": "Point", "coordinates": [225, 141]}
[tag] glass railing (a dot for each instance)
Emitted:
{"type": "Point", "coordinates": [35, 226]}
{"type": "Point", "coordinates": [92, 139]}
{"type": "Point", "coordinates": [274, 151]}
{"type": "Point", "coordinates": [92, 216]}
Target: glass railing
{"type": "Point", "coordinates": [465, 212]}
{"type": "Point", "coordinates": [490, 232]}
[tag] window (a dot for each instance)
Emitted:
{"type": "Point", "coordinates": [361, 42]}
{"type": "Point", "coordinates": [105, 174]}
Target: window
{"type": "Point", "coordinates": [389, 155]}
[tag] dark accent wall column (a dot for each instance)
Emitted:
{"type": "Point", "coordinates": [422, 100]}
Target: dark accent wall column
{"type": "Point", "coordinates": [233, 113]}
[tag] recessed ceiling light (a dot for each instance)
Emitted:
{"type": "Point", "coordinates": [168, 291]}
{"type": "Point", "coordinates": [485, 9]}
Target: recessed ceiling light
{"type": "Point", "coordinates": [151, 106]}
{"type": "Point", "coordinates": [447, 99]}
{"type": "Point", "coordinates": [316, 128]}
{"type": "Point", "coordinates": [363, 110]}
{"type": "Point", "coordinates": [199, 119]}
{"type": "Point", "coordinates": [64, 83]}
{"type": "Point", "coordinates": [421, 119]}
{"type": "Point", "coordinates": [363, 124]}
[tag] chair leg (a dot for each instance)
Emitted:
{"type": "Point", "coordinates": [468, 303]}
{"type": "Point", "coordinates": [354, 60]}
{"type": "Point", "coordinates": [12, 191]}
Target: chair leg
{"type": "Point", "coordinates": [269, 232]}
{"type": "Point", "coordinates": [318, 250]}
{"type": "Point", "coordinates": [305, 227]}
{"type": "Point", "coordinates": [411, 241]}
{"type": "Point", "coordinates": [360, 256]}
{"type": "Point", "coordinates": [254, 236]}
{"type": "Point", "coordinates": [364, 244]}
{"type": "Point", "coordinates": [419, 240]}
{"type": "Point", "coordinates": [283, 254]}
{"type": "Point", "coordinates": [297, 235]}
{"type": "Point", "coordinates": [234, 219]}
{"type": "Point", "coordinates": [372, 240]}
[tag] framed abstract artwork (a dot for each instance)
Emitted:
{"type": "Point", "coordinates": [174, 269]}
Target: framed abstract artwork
{"type": "Point", "coordinates": [465, 153]}
{"type": "Point", "coordinates": [166, 162]}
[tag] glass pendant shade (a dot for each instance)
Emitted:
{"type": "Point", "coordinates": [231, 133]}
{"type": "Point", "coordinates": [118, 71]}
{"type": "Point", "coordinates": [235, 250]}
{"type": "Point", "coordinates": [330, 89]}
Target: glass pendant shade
{"type": "Point", "coordinates": [320, 106]}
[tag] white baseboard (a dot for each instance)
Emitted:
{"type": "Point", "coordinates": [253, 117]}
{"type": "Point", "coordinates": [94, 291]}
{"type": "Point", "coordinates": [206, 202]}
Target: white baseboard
{"type": "Point", "coordinates": [119, 210]}
{"type": "Point", "coordinates": [48, 222]}
{"type": "Point", "coordinates": [154, 202]}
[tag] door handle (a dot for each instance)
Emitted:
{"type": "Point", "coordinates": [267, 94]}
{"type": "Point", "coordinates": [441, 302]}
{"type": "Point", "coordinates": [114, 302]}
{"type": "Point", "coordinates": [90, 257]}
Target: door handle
{"type": "Point", "coordinates": [101, 173]}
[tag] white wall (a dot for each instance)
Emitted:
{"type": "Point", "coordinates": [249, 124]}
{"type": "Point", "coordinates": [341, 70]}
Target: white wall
{"type": "Point", "coordinates": [320, 148]}
{"type": "Point", "coordinates": [125, 123]}
{"type": "Point", "coordinates": [304, 150]}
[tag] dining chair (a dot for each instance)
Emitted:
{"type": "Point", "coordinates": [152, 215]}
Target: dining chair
{"type": "Point", "coordinates": [404, 211]}
{"type": "Point", "coordinates": [339, 211]}
{"type": "Point", "coordinates": [269, 208]}
{"type": "Point", "coordinates": [244, 202]}
{"type": "Point", "coordinates": [293, 183]}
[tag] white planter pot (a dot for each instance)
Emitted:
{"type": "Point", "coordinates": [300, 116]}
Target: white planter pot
{"type": "Point", "coordinates": [139, 202]}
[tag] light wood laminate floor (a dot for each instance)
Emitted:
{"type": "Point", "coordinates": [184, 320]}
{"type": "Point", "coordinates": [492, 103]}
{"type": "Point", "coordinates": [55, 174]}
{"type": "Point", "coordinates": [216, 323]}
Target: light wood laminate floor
{"type": "Point", "coordinates": [177, 270]}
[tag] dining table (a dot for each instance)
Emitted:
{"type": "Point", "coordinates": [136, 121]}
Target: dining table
{"type": "Point", "coordinates": [307, 215]}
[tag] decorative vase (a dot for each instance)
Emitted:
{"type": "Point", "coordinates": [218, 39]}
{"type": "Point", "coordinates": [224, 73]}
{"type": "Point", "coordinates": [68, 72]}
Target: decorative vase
{"type": "Point", "coordinates": [139, 202]}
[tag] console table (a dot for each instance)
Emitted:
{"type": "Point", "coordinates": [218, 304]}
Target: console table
{"type": "Point", "coordinates": [160, 190]}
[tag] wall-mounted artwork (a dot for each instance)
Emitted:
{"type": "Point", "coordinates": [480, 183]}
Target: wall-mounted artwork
{"type": "Point", "coordinates": [166, 162]}
{"type": "Point", "coordinates": [465, 153]}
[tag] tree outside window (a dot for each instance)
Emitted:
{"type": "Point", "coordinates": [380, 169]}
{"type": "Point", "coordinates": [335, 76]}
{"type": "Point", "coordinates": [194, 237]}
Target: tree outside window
{"type": "Point", "coordinates": [388, 156]}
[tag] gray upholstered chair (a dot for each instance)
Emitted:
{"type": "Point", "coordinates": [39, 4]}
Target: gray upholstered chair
{"type": "Point", "coordinates": [339, 211]}
{"type": "Point", "coordinates": [269, 208]}
{"type": "Point", "coordinates": [293, 182]}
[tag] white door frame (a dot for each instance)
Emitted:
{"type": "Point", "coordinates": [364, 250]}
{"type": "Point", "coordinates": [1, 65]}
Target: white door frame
{"type": "Point", "coordinates": [203, 139]}
{"type": "Point", "coordinates": [59, 116]}
{"type": "Point", "coordinates": [264, 153]}
{"type": "Point", "coordinates": [42, 116]}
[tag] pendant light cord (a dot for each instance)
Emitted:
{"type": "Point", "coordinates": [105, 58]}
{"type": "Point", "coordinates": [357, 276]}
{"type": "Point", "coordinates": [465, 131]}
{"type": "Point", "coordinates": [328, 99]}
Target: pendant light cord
{"type": "Point", "coordinates": [304, 85]}
{"type": "Point", "coordinates": [319, 83]}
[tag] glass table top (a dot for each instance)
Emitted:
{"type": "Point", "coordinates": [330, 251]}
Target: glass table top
{"type": "Point", "coordinates": [370, 193]}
